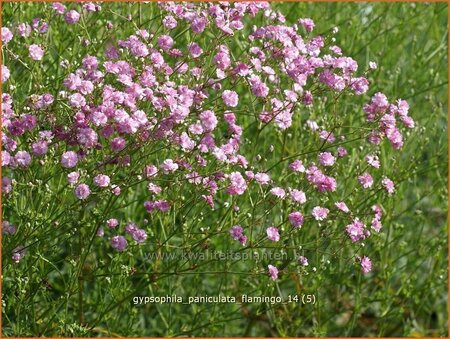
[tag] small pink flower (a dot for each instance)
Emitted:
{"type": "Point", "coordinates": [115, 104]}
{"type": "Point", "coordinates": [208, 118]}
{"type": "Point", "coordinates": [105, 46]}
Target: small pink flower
{"type": "Point", "coordinates": [195, 50]}
{"type": "Point", "coordinates": [373, 161]}
{"type": "Point", "coordinates": [408, 121]}
{"type": "Point", "coordinates": [291, 95]}
{"type": "Point", "coordinates": [320, 213]}
{"type": "Point", "coordinates": [380, 101]}
{"type": "Point", "coordinates": [116, 190]}
{"type": "Point", "coordinates": [222, 58]}
{"type": "Point", "coordinates": [208, 120]}
{"type": "Point", "coordinates": [165, 42]}
{"type": "Point", "coordinates": [359, 85]}
{"type": "Point", "coordinates": [342, 206]}
{"type": "Point", "coordinates": [17, 254]}
{"type": "Point", "coordinates": [374, 138]}
{"type": "Point", "coordinates": [388, 184]}
{"type": "Point", "coordinates": [230, 98]}
{"type": "Point", "coordinates": [6, 35]}
{"type": "Point", "coordinates": [6, 185]}
{"type": "Point", "coordinates": [378, 211]}
{"type": "Point", "coordinates": [101, 180]}
{"type": "Point", "coordinates": [238, 185]}
{"type": "Point", "coordinates": [326, 159]}
{"type": "Point", "coordinates": [100, 232]}
{"type": "Point", "coordinates": [82, 191]}
{"type": "Point", "coordinates": [237, 233]}
{"type": "Point", "coordinates": [118, 144]}
{"type": "Point", "coordinates": [303, 260]}
{"type": "Point", "coordinates": [59, 8]}
{"type": "Point", "coordinates": [8, 228]}
{"type": "Point", "coordinates": [73, 177]}
{"type": "Point", "coordinates": [336, 50]}
{"type": "Point", "coordinates": [139, 235]}
{"type": "Point", "coordinates": [150, 171]}
{"type": "Point", "coordinates": [112, 223]}
{"type": "Point", "coordinates": [36, 52]}
{"type": "Point", "coordinates": [297, 196]}
{"type": "Point", "coordinates": [40, 147]}
{"type": "Point", "coordinates": [327, 136]}
{"type": "Point", "coordinates": [77, 100]}
{"type": "Point", "coordinates": [376, 224]}
{"type": "Point", "coordinates": [341, 151]}
{"type": "Point", "coordinates": [5, 73]}
{"type": "Point", "coordinates": [307, 98]}
{"type": "Point", "coordinates": [273, 234]}
{"type": "Point", "coordinates": [186, 143]}
{"type": "Point", "coordinates": [130, 228]}
{"type": "Point", "coordinates": [209, 200]}
{"type": "Point", "coordinates": [198, 25]}
{"type": "Point", "coordinates": [155, 189]}
{"type": "Point", "coordinates": [87, 137]}
{"type": "Point", "coordinates": [366, 264]}
{"type": "Point", "coordinates": [366, 180]}
{"type": "Point", "coordinates": [355, 230]}
{"type": "Point", "coordinates": [6, 158]}
{"type": "Point", "coordinates": [250, 175]}
{"type": "Point", "coordinates": [262, 178]}
{"type": "Point", "coordinates": [273, 272]}
{"type": "Point", "coordinates": [169, 166]}
{"type": "Point", "coordinates": [278, 192]}
{"type": "Point", "coordinates": [72, 17]}
{"type": "Point", "coordinates": [296, 219]}
{"type": "Point", "coordinates": [22, 158]}
{"type": "Point", "coordinates": [119, 243]}
{"type": "Point", "coordinates": [297, 166]}
{"type": "Point", "coordinates": [259, 88]}
{"type": "Point", "coordinates": [307, 23]}
{"type": "Point", "coordinates": [170, 22]}
{"type": "Point", "coordinates": [162, 205]}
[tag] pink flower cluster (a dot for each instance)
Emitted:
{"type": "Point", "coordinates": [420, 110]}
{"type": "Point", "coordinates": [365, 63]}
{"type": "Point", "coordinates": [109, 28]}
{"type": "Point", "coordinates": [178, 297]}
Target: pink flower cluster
{"type": "Point", "coordinates": [379, 110]}
{"type": "Point", "coordinates": [170, 116]}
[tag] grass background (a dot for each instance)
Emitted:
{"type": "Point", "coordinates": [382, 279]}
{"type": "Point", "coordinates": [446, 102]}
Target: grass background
{"type": "Point", "coordinates": [408, 294]}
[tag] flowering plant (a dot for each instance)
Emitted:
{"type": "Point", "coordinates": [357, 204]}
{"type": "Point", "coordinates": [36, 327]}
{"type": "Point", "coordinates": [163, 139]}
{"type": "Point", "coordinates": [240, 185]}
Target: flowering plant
{"type": "Point", "coordinates": [174, 136]}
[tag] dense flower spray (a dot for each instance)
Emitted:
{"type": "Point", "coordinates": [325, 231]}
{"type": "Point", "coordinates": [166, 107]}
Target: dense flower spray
{"type": "Point", "coordinates": [169, 114]}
